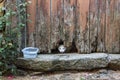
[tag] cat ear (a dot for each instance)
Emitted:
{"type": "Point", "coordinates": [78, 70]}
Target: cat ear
{"type": "Point", "coordinates": [59, 48]}
{"type": "Point", "coordinates": [64, 48]}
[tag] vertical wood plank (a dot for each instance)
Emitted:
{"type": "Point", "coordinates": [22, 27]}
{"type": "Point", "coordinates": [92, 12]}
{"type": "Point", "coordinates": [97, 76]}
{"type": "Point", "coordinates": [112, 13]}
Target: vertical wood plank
{"type": "Point", "coordinates": [83, 23]}
{"type": "Point", "coordinates": [69, 25]}
{"type": "Point", "coordinates": [42, 32]}
{"type": "Point", "coordinates": [118, 10]}
{"type": "Point", "coordinates": [116, 26]}
{"type": "Point", "coordinates": [109, 23]}
{"type": "Point", "coordinates": [31, 10]}
{"type": "Point", "coordinates": [56, 23]}
{"type": "Point", "coordinates": [101, 25]}
{"type": "Point", "coordinates": [112, 28]}
{"type": "Point", "coordinates": [92, 24]}
{"type": "Point", "coordinates": [94, 20]}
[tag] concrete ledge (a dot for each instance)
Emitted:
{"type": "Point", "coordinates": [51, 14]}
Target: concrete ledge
{"type": "Point", "coordinates": [114, 61]}
{"type": "Point", "coordinates": [48, 62]}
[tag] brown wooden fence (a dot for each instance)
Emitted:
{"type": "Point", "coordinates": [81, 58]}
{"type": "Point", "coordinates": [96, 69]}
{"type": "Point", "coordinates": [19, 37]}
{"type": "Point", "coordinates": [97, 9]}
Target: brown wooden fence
{"type": "Point", "coordinates": [83, 25]}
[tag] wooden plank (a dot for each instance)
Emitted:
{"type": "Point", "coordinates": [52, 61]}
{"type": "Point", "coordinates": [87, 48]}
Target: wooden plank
{"type": "Point", "coordinates": [89, 25]}
{"type": "Point", "coordinates": [112, 28]}
{"type": "Point", "coordinates": [31, 10]}
{"type": "Point", "coordinates": [42, 31]}
{"type": "Point", "coordinates": [83, 26]}
{"type": "Point", "coordinates": [94, 20]}
{"type": "Point", "coordinates": [118, 10]}
{"type": "Point", "coordinates": [109, 22]}
{"type": "Point", "coordinates": [101, 26]}
{"type": "Point", "coordinates": [56, 24]}
{"type": "Point", "coordinates": [69, 24]}
{"type": "Point", "coordinates": [39, 28]}
{"type": "Point", "coordinates": [115, 28]}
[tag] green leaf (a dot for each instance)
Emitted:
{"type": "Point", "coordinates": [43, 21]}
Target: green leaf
{"type": "Point", "coordinates": [1, 49]}
{"type": "Point", "coordinates": [11, 34]}
{"type": "Point", "coordinates": [13, 13]}
{"type": "Point", "coordinates": [1, 22]}
{"type": "Point", "coordinates": [21, 24]}
{"type": "Point", "coordinates": [7, 14]}
{"type": "Point", "coordinates": [1, 63]}
{"type": "Point", "coordinates": [1, 26]}
{"type": "Point", "coordinates": [81, 79]}
{"type": "Point", "coordinates": [8, 23]}
{"type": "Point", "coordinates": [0, 75]}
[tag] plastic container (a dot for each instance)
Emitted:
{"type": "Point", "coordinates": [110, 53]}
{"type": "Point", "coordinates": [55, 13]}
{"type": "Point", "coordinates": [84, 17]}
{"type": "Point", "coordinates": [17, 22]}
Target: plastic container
{"type": "Point", "coordinates": [30, 52]}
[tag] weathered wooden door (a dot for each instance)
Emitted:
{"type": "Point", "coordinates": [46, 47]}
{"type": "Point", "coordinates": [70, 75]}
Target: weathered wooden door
{"type": "Point", "coordinates": [82, 25]}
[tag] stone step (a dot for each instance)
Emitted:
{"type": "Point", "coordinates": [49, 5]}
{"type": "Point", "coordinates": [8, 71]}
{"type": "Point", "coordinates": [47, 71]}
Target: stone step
{"type": "Point", "coordinates": [114, 61]}
{"type": "Point", "coordinates": [74, 61]}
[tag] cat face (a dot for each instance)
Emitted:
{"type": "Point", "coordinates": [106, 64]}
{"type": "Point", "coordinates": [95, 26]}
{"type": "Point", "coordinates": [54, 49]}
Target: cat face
{"type": "Point", "coordinates": [62, 48]}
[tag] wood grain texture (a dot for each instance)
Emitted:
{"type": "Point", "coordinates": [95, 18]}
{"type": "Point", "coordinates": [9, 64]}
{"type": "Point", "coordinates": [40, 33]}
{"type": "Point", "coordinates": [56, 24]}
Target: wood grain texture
{"type": "Point", "coordinates": [69, 24]}
{"type": "Point", "coordinates": [31, 10]}
{"type": "Point", "coordinates": [42, 29]}
{"type": "Point", "coordinates": [94, 23]}
{"type": "Point", "coordinates": [57, 17]}
{"type": "Point", "coordinates": [116, 30]}
{"type": "Point", "coordinates": [101, 26]}
{"type": "Point", "coordinates": [112, 27]}
{"type": "Point", "coordinates": [85, 25]}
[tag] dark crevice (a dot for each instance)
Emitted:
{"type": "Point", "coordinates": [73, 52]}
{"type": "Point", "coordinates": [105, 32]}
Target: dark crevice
{"type": "Point", "coordinates": [55, 50]}
{"type": "Point", "coordinates": [70, 49]}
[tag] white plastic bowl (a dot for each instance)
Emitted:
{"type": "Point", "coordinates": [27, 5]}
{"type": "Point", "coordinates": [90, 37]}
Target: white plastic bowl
{"type": "Point", "coordinates": [30, 52]}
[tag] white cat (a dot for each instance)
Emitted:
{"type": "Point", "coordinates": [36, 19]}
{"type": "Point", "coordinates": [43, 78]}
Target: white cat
{"type": "Point", "coordinates": [62, 48]}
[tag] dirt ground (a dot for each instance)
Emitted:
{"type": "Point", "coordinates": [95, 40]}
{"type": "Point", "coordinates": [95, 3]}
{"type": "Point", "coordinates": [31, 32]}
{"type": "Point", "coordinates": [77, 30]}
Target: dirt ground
{"type": "Point", "coordinates": [101, 74]}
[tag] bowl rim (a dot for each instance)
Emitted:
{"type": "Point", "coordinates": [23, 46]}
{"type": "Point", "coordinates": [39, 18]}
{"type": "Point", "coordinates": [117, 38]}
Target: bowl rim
{"type": "Point", "coordinates": [30, 52]}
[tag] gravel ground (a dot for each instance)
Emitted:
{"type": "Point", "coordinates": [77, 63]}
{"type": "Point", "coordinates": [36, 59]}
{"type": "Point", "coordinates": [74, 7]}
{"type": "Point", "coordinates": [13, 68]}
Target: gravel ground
{"type": "Point", "coordinates": [69, 75]}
